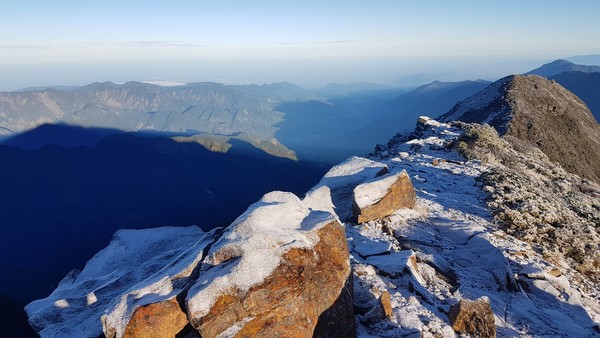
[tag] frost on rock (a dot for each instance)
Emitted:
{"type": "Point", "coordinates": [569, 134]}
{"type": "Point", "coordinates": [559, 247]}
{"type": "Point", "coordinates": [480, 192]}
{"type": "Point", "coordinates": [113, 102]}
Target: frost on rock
{"type": "Point", "coordinates": [137, 268]}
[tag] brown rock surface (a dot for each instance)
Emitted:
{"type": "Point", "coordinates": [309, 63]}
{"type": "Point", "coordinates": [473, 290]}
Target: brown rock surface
{"type": "Point", "coordinates": [163, 319]}
{"type": "Point", "coordinates": [473, 317]}
{"type": "Point", "coordinates": [368, 206]}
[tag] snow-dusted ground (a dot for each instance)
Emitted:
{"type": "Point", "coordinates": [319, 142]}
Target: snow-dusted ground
{"type": "Point", "coordinates": [459, 253]}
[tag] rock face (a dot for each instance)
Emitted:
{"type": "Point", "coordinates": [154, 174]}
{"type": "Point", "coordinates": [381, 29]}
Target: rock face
{"type": "Point", "coordinates": [540, 112]}
{"type": "Point", "coordinates": [380, 197]}
{"type": "Point", "coordinates": [281, 269]}
{"type": "Point", "coordinates": [473, 317]}
{"type": "Point", "coordinates": [266, 276]}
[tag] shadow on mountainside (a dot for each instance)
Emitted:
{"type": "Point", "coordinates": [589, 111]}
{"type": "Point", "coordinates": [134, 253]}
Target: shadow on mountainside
{"type": "Point", "coordinates": [61, 205]}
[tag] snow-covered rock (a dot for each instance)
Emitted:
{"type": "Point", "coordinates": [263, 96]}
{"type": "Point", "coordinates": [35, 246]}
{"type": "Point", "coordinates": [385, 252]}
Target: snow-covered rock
{"type": "Point", "coordinates": [344, 177]}
{"type": "Point", "coordinates": [382, 196]}
{"type": "Point", "coordinates": [460, 253]}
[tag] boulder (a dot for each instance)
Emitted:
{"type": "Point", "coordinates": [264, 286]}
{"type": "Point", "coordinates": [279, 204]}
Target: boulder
{"type": "Point", "coordinates": [280, 270]}
{"type": "Point", "coordinates": [380, 197]}
{"type": "Point", "coordinates": [473, 317]}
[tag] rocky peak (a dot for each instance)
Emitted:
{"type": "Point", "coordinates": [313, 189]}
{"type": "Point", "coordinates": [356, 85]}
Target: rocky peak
{"type": "Point", "coordinates": [542, 113]}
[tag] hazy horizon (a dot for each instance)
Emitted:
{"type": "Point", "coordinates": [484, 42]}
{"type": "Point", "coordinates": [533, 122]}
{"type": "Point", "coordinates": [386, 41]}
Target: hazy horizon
{"type": "Point", "coordinates": [309, 43]}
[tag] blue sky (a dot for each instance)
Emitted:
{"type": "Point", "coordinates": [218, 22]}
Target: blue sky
{"type": "Point", "coordinates": [307, 42]}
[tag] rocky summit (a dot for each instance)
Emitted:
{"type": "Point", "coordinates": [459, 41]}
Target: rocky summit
{"type": "Point", "coordinates": [540, 112]}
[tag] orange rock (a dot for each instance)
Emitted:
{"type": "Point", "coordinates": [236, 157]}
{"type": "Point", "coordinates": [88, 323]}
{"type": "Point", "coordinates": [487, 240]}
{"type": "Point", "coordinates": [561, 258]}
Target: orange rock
{"type": "Point", "coordinates": [400, 194]}
{"type": "Point", "coordinates": [555, 272]}
{"type": "Point", "coordinates": [386, 304]}
{"type": "Point", "coordinates": [163, 319]}
{"type": "Point", "coordinates": [473, 317]}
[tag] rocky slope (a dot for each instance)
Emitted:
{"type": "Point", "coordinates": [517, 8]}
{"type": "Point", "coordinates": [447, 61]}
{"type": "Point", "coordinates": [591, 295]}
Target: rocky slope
{"type": "Point", "coordinates": [439, 266]}
{"type": "Point", "coordinates": [542, 113]}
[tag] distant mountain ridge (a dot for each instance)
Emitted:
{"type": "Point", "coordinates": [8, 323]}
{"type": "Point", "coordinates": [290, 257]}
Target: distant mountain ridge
{"type": "Point", "coordinates": [560, 66]}
{"type": "Point", "coordinates": [198, 107]}
{"type": "Point", "coordinates": [541, 112]}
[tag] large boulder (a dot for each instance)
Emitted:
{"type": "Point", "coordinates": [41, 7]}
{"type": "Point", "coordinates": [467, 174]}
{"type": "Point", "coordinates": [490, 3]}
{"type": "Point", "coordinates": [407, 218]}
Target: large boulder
{"type": "Point", "coordinates": [280, 270]}
{"type": "Point", "coordinates": [380, 197]}
{"type": "Point", "coordinates": [474, 318]}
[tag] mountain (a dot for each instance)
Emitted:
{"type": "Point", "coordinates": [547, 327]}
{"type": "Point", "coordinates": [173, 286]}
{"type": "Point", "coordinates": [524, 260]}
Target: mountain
{"type": "Point", "coordinates": [447, 250]}
{"type": "Point", "coordinates": [585, 85]}
{"type": "Point", "coordinates": [541, 112]}
{"type": "Point", "coordinates": [326, 125]}
{"type": "Point", "coordinates": [560, 66]}
{"type": "Point", "coordinates": [591, 59]}
{"type": "Point", "coordinates": [133, 106]}
{"type": "Point", "coordinates": [344, 89]}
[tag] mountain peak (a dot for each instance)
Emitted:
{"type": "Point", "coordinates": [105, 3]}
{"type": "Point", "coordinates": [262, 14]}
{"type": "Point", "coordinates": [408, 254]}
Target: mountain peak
{"type": "Point", "coordinates": [541, 112]}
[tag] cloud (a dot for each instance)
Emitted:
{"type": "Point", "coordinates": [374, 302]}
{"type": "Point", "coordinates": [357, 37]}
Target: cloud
{"type": "Point", "coordinates": [25, 47]}
{"type": "Point", "coordinates": [160, 44]}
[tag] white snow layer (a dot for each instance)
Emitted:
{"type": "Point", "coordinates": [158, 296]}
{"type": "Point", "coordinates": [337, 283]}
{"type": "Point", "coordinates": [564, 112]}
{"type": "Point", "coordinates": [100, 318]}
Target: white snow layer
{"type": "Point", "coordinates": [252, 247]}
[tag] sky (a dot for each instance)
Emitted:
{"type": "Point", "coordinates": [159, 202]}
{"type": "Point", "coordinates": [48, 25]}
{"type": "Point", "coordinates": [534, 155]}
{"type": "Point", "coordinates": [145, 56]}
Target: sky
{"type": "Point", "coordinates": [310, 43]}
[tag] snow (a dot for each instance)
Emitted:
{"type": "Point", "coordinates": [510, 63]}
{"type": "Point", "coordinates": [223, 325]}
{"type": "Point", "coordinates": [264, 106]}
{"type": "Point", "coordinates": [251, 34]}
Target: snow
{"type": "Point", "coordinates": [252, 247]}
{"type": "Point", "coordinates": [138, 267]}
{"type": "Point", "coordinates": [372, 191]}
